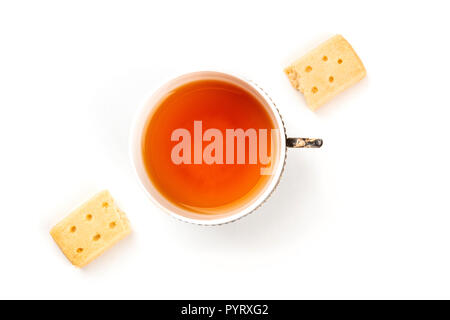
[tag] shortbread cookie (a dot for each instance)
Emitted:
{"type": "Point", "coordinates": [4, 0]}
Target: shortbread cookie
{"type": "Point", "coordinates": [91, 229]}
{"type": "Point", "coordinates": [325, 71]}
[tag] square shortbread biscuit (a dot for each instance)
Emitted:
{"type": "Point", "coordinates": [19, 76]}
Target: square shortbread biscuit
{"type": "Point", "coordinates": [91, 229]}
{"type": "Point", "coordinates": [326, 71]}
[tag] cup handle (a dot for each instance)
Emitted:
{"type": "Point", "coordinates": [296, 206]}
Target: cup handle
{"type": "Point", "coordinates": [303, 143]}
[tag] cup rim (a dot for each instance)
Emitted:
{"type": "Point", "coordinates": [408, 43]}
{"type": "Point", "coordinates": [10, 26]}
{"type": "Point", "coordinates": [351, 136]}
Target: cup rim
{"type": "Point", "coordinates": [135, 136]}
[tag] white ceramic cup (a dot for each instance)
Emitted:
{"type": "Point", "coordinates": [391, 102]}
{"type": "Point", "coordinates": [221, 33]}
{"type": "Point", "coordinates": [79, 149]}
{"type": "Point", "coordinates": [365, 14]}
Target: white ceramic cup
{"type": "Point", "coordinates": [136, 139]}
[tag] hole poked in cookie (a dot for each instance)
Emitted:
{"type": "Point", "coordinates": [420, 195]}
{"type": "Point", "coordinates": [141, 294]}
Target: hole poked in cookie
{"type": "Point", "coordinates": [340, 61]}
{"type": "Point", "coordinates": [73, 229]}
{"type": "Point", "coordinates": [79, 250]}
{"type": "Point", "coordinates": [96, 237]}
{"type": "Point", "coordinates": [89, 217]}
{"type": "Point", "coordinates": [314, 90]}
{"type": "Point", "coordinates": [325, 58]}
{"type": "Point", "coordinates": [308, 69]}
{"type": "Point", "coordinates": [112, 225]}
{"type": "Point", "coordinates": [331, 79]}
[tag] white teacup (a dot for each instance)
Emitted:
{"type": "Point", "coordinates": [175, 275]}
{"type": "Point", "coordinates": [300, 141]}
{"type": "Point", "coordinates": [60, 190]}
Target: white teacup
{"type": "Point", "coordinates": [235, 213]}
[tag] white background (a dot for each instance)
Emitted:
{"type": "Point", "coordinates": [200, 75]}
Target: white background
{"type": "Point", "coordinates": [366, 216]}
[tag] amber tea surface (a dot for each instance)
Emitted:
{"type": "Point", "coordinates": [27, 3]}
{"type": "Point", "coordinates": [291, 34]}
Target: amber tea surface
{"type": "Point", "coordinates": [177, 164]}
